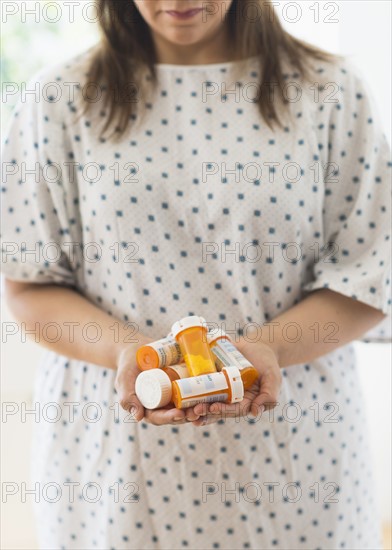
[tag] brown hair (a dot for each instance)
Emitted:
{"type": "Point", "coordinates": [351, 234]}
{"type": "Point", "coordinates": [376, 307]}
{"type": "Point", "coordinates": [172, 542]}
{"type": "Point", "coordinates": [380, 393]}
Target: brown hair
{"type": "Point", "coordinates": [127, 45]}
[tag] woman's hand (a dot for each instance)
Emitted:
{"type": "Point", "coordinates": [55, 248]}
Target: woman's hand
{"type": "Point", "coordinates": [127, 371]}
{"type": "Point", "coordinates": [261, 396]}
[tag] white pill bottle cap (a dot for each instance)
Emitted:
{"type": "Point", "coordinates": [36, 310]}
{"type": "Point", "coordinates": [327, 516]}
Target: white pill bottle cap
{"type": "Point", "coordinates": [235, 382]}
{"type": "Point", "coordinates": [188, 322]}
{"type": "Point", "coordinates": [153, 388]}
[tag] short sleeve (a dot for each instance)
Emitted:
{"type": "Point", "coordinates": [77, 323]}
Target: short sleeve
{"type": "Point", "coordinates": [357, 205]}
{"type": "Point", "coordinates": [37, 242]}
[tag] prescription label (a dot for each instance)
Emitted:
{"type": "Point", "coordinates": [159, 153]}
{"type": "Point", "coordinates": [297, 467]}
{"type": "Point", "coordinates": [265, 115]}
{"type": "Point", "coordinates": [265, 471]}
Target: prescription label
{"type": "Point", "coordinates": [221, 358]}
{"type": "Point", "coordinates": [202, 385]}
{"type": "Point", "coordinates": [226, 352]}
{"type": "Point", "coordinates": [168, 351]}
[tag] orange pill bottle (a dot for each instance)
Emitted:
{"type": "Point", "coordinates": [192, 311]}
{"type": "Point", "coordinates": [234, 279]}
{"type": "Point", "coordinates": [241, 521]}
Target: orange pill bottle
{"type": "Point", "coordinates": [191, 334]}
{"type": "Point", "coordinates": [225, 386]}
{"type": "Point", "coordinates": [162, 353]}
{"type": "Point", "coordinates": [227, 355]}
{"type": "Point", "coordinates": [175, 372]}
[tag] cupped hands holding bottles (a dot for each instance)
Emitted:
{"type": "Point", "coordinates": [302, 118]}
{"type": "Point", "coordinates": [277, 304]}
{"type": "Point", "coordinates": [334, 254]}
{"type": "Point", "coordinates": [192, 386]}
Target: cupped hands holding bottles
{"type": "Point", "coordinates": [262, 395]}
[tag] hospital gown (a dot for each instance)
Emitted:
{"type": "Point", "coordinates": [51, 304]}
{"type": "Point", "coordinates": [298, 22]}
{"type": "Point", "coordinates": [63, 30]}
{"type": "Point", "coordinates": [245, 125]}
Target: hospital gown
{"type": "Point", "coordinates": [202, 208]}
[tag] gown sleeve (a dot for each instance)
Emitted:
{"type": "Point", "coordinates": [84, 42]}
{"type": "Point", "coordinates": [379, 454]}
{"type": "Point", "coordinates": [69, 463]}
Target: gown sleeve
{"type": "Point", "coordinates": [38, 217]}
{"type": "Point", "coordinates": [357, 205]}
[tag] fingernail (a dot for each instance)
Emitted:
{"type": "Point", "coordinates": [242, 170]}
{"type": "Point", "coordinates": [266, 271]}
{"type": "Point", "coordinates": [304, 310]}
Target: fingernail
{"type": "Point", "coordinates": [177, 418]}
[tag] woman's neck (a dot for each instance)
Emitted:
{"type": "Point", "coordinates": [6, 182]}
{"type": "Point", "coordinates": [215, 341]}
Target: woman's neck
{"type": "Point", "coordinates": [216, 49]}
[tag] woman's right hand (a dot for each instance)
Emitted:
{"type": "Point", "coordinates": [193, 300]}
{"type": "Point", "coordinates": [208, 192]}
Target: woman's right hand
{"type": "Point", "coordinates": [127, 371]}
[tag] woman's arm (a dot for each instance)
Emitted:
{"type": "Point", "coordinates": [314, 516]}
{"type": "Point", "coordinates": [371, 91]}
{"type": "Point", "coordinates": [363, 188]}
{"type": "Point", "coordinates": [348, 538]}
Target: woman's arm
{"type": "Point", "coordinates": [319, 324]}
{"type": "Point", "coordinates": [43, 304]}
{"type": "Point", "coordinates": [39, 305]}
{"type": "Point", "coordinates": [322, 322]}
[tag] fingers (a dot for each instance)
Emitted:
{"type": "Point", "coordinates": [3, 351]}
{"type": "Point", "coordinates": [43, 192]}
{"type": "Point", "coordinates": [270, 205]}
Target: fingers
{"type": "Point", "coordinates": [201, 409]}
{"type": "Point", "coordinates": [230, 410]}
{"type": "Point", "coordinates": [191, 415]}
{"type": "Point", "coordinates": [160, 417]}
{"type": "Point", "coordinates": [205, 420]}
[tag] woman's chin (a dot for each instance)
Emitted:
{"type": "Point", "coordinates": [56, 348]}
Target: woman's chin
{"type": "Point", "coordinates": [183, 37]}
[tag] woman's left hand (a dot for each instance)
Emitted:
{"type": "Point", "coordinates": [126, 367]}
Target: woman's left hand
{"type": "Point", "coordinates": [263, 395]}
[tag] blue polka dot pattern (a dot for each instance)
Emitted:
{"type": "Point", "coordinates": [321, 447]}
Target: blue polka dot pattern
{"type": "Point", "coordinates": [201, 168]}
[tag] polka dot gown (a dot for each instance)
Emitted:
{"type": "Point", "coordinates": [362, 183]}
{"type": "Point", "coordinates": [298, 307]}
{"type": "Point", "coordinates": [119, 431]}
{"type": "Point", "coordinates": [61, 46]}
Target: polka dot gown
{"type": "Point", "coordinates": [201, 208]}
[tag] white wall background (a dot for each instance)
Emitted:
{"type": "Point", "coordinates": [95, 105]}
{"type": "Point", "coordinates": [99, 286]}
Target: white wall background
{"type": "Point", "coordinates": [362, 31]}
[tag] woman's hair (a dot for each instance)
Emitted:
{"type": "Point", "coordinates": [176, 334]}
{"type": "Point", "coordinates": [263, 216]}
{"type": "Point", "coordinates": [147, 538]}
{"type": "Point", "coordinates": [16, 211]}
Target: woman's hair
{"type": "Point", "coordinates": [127, 46]}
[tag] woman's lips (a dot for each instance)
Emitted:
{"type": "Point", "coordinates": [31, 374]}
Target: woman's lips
{"type": "Point", "coordinates": [182, 15]}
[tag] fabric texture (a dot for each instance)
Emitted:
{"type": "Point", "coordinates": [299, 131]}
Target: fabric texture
{"type": "Point", "coordinates": [202, 209]}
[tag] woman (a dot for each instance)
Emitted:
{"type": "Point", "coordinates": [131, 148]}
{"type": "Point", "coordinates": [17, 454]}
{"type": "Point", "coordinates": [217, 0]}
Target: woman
{"type": "Point", "coordinates": [200, 160]}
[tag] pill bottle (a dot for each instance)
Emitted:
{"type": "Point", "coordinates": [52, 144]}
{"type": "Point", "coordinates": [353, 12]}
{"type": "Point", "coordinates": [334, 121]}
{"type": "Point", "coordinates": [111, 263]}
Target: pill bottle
{"type": "Point", "coordinates": [162, 353]}
{"type": "Point", "coordinates": [175, 372]}
{"type": "Point", "coordinates": [227, 355]}
{"type": "Point", "coordinates": [226, 386]}
{"type": "Point", "coordinates": [191, 334]}
{"type": "Point", "coordinates": [153, 387]}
